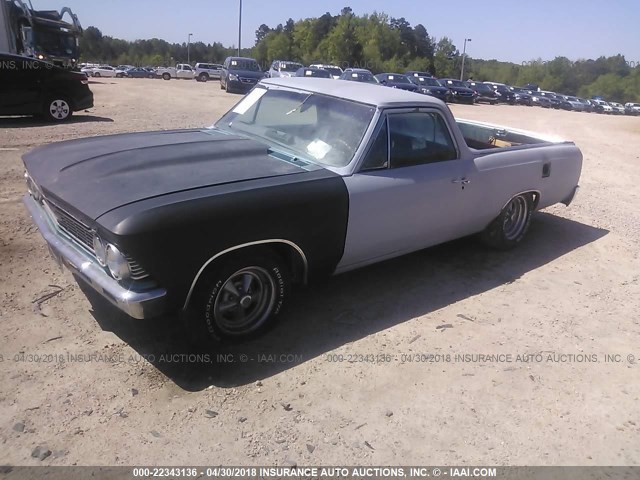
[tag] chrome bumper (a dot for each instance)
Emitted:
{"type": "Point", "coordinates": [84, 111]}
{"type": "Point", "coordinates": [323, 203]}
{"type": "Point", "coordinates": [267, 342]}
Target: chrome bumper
{"type": "Point", "coordinates": [139, 305]}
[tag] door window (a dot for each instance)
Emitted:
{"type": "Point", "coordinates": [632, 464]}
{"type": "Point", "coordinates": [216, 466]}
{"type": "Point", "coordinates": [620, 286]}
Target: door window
{"type": "Point", "coordinates": [419, 138]}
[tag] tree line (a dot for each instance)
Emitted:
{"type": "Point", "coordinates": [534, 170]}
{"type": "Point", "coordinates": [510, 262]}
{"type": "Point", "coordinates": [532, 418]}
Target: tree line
{"type": "Point", "coordinates": [382, 44]}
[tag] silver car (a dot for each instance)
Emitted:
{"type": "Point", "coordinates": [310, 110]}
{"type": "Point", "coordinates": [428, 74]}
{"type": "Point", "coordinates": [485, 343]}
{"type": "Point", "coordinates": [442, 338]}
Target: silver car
{"type": "Point", "coordinates": [280, 68]}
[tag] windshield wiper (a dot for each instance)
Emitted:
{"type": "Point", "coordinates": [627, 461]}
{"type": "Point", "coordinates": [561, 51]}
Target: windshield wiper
{"type": "Point", "coordinates": [299, 106]}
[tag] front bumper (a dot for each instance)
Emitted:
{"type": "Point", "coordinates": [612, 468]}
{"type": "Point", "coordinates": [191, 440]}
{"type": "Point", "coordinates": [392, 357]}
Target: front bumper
{"type": "Point", "coordinates": [147, 304]}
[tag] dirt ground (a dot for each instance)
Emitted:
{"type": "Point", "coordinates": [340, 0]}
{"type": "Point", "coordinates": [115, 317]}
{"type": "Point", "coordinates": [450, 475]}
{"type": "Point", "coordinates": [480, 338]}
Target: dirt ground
{"type": "Point", "coordinates": [95, 388]}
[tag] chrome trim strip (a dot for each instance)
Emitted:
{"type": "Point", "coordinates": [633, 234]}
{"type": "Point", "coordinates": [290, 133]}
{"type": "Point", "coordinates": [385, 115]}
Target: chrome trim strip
{"type": "Point", "coordinates": [244, 245]}
{"type": "Point", "coordinates": [135, 304]}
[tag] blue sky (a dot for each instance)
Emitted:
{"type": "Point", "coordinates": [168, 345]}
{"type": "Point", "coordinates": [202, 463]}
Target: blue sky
{"type": "Point", "coordinates": [512, 30]}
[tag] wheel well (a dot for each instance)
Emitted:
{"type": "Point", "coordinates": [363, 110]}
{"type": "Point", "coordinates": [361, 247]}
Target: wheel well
{"type": "Point", "coordinates": [292, 256]}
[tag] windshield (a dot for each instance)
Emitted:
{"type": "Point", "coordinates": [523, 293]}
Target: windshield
{"type": "Point", "coordinates": [431, 82]}
{"type": "Point", "coordinates": [455, 83]}
{"type": "Point", "coordinates": [54, 43]}
{"type": "Point", "coordinates": [396, 79]}
{"type": "Point", "coordinates": [335, 71]}
{"type": "Point", "coordinates": [361, 77]}
{"type": "Point", "coordinates": [322, 129]}
{"type": "Point", "coordinates": [244, 64]}
{"type": "Point", "coordinates": [289, 67]}
{"type": "Point", "coordinates": [481, 87]}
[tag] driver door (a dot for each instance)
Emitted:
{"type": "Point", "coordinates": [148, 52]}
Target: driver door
{"type": "Point", "coordinates": [407, 194]}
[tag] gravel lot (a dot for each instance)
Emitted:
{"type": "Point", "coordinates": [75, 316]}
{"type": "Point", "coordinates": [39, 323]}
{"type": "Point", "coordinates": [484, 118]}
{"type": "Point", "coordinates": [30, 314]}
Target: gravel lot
{"type": "Point", "coordinates": [91, 387]}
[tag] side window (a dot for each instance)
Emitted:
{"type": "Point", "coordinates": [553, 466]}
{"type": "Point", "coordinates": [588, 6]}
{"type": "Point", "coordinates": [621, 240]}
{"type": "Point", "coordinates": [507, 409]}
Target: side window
{"type": "Point", "coordinates": [378, 155]}
{"type": "Point", "coordinates": [419, 138]}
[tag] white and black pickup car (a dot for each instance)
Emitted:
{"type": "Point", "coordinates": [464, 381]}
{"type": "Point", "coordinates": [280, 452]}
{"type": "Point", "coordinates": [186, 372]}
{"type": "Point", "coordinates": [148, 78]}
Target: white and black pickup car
{"type": "Point", "coordinates": [303, 178]}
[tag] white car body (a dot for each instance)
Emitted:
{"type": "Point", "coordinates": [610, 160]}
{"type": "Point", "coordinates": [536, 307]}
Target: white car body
{"type": "Point", "coordinates": [181, 70]}
{"type": "Point", "coordinates": [104, 71]}
{"type": "Point", "coordinates": [334, 74]}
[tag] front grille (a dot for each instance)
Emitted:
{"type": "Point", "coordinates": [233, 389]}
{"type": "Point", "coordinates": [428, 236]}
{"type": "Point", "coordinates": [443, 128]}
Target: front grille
{"type": "Point", "coordinates": [248, 80]}
{"type": "Point", "coordinates": [83, 235]}
{"type": "Point", "coordinates": [72, 226]}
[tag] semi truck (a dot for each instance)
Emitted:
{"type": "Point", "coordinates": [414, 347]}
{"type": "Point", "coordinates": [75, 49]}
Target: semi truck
{"type": "Point", "coordinates": [43, 34]}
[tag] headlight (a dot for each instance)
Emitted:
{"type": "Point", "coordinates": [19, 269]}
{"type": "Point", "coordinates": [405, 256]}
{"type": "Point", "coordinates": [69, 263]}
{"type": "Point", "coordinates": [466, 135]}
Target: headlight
{"type": "Point", "coordinates": [233, 78]}
{"type": "Point", "coordinates": [33, 188]}
{"type": "Point", "coordinates": [100, 250]}
{"type": "Point", "coordinates": [426, 90]}
{"type": "Point", "coordinates": [117, 263]}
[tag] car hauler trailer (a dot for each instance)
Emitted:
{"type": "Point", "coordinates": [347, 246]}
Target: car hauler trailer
{"type": "Point", "coordinates": [42, 34]}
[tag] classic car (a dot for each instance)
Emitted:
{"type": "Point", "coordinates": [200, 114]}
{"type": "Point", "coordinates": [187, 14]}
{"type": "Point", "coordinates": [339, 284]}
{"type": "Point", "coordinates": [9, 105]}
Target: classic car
{"type": "Point", "coordinates": [396, 80]}
{"type": "Point", "coordinates": [431, 86]}
{"type": "Point", "coordinates": [303, 178]}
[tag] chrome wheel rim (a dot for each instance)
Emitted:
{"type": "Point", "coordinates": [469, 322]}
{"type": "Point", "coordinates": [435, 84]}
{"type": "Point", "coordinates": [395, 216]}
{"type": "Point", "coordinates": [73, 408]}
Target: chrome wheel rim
{"type": "Point", "coordinates": [59, 109]}
{"type": "Point", "coordinates": [244, 301]}
{"type": "Point", "coordinates": [515, 218]}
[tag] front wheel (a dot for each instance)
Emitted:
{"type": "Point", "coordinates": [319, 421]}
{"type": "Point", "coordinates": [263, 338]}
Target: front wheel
{"type": "Point", "coordinates": [57, 109]}
{"type": "Point", "coordinates": [509, 228]}
{"type": "Point", "coordinates": [166, 76]}
{"type": "Point", "coordinates": [203, 77]}
{"type": "Point", "coordinates": [241, 296]}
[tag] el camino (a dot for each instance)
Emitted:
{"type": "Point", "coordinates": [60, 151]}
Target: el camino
{"type": "Point", "coordinates": [303, 178]}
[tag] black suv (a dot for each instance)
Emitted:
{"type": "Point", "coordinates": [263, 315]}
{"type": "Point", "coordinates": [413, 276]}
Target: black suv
{"type": "Point", "coordinates": [240, 74]}
{"type": "Point", "coordinates": [33, 87]}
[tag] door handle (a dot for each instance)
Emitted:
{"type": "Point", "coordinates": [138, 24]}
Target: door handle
{"type": "Point", "coordinates": [462, 181]}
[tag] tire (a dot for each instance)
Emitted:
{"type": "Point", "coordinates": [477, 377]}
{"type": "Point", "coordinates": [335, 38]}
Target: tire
{"type": "Point", "coordinates": [97, 74]}
{"type": "Point", "coordinates": [240, 297]}
{"type": "Point", "coordinates": [57, 109]}
{"type": "Point", "coordinates": [119, 75]}
{"type": "Point", "coordinates": [166, 76]}
{"type": "Point", "coordinates": [221, 85]}
{"type": "Point", "coordinates": [203, 77]}
{"type": "Point", "coordinates": [151, 75]}
{"type": "Point", "coordinates": [508, 229]}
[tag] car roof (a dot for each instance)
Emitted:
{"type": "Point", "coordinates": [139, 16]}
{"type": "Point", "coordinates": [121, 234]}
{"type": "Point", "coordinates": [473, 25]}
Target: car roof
{"type": "Point", "coordinates": [355, 91]}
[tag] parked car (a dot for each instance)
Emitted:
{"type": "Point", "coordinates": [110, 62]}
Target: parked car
{"type": "Point", "coordinates": [588, 107]}
{"type": "Point", "coordinates": [334, 70]}
{"type": "Point", "coordinates": [602, 107]}
{"type": "Point", "coordinates": [104, 71]}
{"type": "Point", "coordinates": [358, 75]}
{"type": "Point", "coordinates": [34, 87]}
{"type": "Point", "coordinates": [618, 109]}
{"type": "Point", "coordinates": [632, 108]}
{"type": "Point", "coordinates": [159, 237]}
{"type": "Point", "coordinates": [180, 71]}
{"type": "Point", "coordinates": [414, 73]}
{"type": "Point", "coordinates": [540, 100]}
{"type": "Point", "coordinates": [240, 74]}
{"type": "Point", "coordinates": [459, 92]}
{"type": "Point", "coordinates": [87, 70]}
{"type": "Point", "coordinates": [396, 80]}
{"type": "Point", "coordinates": [206, 71]}
{"type": "Point", "coordinates": [313, 72]}
{"type": "Point", "coordinates": [573, 104]}
{"type": "Point", "coordinates": [503, 93]}
{"type": "Point", "coordinates": [283, 68]}
{"type": "Point", "coordinates": [139, 72]}
{"type": "Point", "coordinates": [522, 96]}
{"type": "Point", "coordinates": [120, 69]}
{"type": "Point", "coordinates": [431, 86]}
{"type": "Point", "coordinates": [483, 92]}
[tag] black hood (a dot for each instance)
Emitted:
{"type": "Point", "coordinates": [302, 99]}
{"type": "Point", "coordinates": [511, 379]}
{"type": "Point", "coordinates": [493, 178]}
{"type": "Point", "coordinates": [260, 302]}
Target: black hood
{"type": "Point", "coordinates": [461, 90]}
{"type": "Point", "coordinates": [248, 74]}
{"type": "Point", "coordinates": [96, 175]}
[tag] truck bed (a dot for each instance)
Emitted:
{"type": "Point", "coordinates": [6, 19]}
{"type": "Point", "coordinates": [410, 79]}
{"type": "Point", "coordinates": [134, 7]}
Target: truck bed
{"type": "Point", "coordinates": [482, 136]}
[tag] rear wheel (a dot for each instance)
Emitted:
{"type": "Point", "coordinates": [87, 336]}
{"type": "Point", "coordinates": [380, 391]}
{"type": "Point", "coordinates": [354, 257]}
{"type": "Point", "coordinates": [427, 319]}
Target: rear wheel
{"type": "Point", "coordinates": [240, 297]}
{"type": "Point", "coordinates": [57, 109]}
{"type": "Point", "coordinates": [203, 77]}
{"type": "Point", "coordinates": [509, 228]}
{"type": "Point", "coordinates": [96, 74]}
{"type": "Point", "coordinates": [166, 76]}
